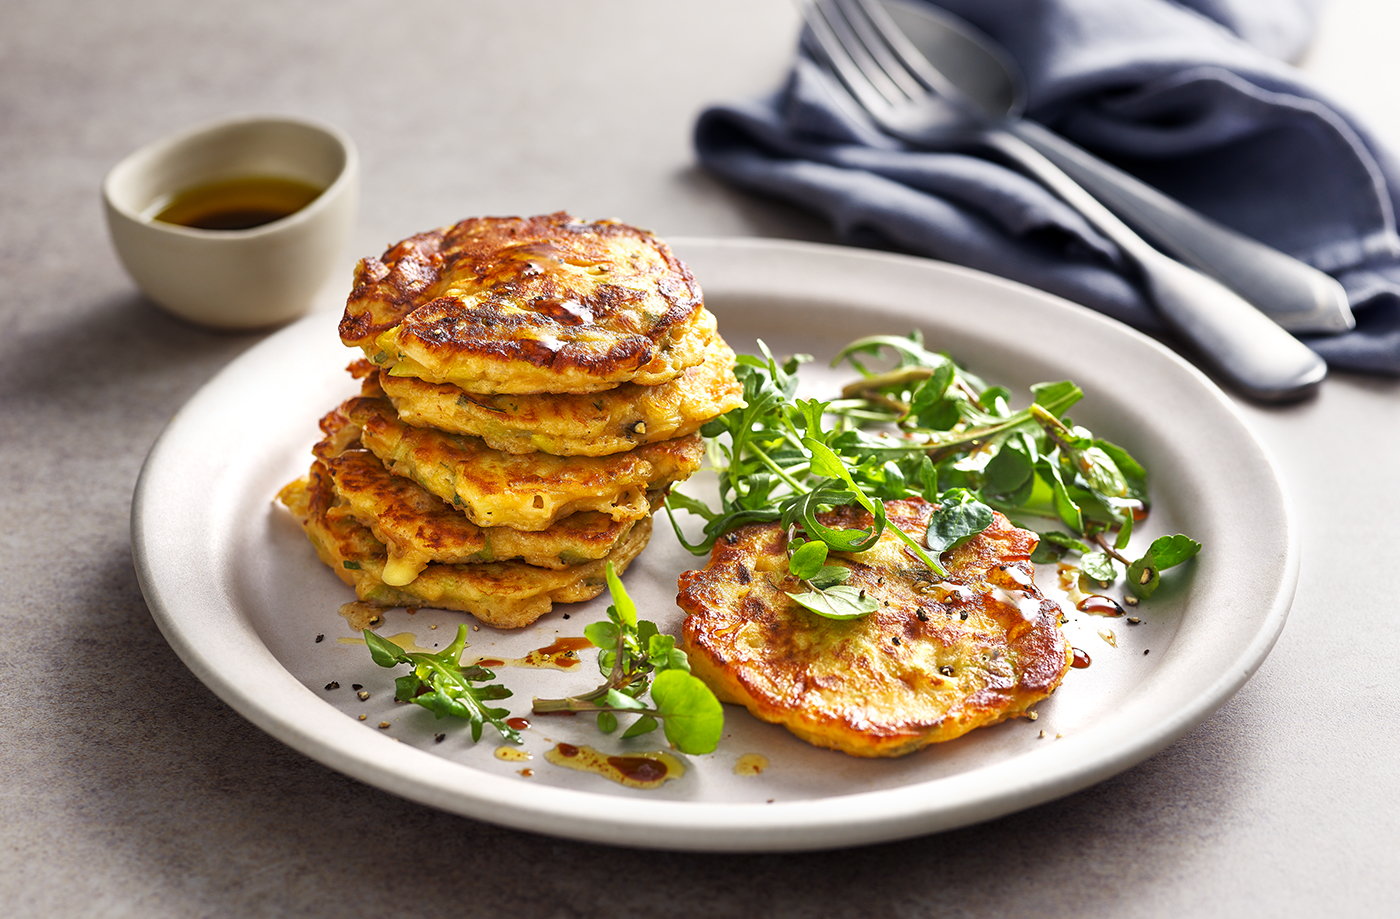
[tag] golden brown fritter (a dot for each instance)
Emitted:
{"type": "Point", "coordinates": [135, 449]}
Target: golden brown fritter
{"type": "Point", "coordinates": [934, 661]}
{"type": "Point", "coordinates": [417, 528]}
{"type": "Point", "coordinates": [529, 304]}
{"type": "Point", "coordinates": [576, 424]}
{"type": "Point", "coordinates": [523, 491]}
{"type": "Point", "coordinates": [506, 595]}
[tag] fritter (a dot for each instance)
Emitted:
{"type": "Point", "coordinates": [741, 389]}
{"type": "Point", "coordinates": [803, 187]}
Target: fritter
{"type": "Point", "coordinates": [529, 304]}
{"type": "Point", "coordinates": [580, 424]}
{"type": "Point", "coordinates": [502, 594]}
{"type": "Point", "coordinates": [934, 661]}
{"type": "Point", "coordinates": [523, 491]}
{"type": "Point", "coordinates": [417, 528]}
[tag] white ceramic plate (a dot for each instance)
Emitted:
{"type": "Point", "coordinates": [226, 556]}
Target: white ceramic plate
{"type": "Point", "coordinates": [237, 591]}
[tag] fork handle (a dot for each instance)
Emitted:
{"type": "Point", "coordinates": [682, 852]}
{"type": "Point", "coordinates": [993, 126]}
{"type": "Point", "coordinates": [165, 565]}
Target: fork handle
{"type": "Point", "coordinates": [1246, 347]}
{"type": "Point", "coordinates": [1296, 295]}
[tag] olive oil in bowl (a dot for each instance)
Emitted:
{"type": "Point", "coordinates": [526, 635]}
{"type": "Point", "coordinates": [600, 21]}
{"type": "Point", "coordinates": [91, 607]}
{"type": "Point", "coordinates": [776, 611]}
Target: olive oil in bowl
{"type": "Point", "coordinates": [236, 204]}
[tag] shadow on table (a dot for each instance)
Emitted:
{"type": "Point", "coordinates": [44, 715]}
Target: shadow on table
{"type": "Point", "coordinates": [122, 346]}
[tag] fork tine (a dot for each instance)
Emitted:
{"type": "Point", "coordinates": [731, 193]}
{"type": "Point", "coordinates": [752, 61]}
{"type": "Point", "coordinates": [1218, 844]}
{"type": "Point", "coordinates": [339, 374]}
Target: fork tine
{"type": "Point", "coordinates": [900, 54]}
{"type": "Point", "coordinates": [848, 57]}
{"type": "Point", "coordinates": [878, 35]}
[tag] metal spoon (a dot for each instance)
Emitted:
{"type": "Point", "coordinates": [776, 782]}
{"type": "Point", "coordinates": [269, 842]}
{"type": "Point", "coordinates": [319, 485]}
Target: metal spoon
{"type": "Point", "coordinates": [977, 82]}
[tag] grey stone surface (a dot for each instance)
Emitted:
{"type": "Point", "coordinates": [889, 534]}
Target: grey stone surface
{"type": "Point", "coordinates": [130, 790]}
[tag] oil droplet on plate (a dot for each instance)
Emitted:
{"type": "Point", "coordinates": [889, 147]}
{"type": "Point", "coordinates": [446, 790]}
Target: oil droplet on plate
{"type": "Point", "coordinates": [1081, 660]}
{"type": "Point", "coordinates": [561, 654]}
{"type": "Point", "coordinates": [360, 615]}
{"type": "Point", "coordinates": [513, 754]}
{"type": "Point", "coordinates": [406, 640]}
{"type": "Point", "coordinates": [751, 764]}
{"type": "Point", "coordinates": [1099, 605]}
{"type": "Point", "coordinates": [640, 770]}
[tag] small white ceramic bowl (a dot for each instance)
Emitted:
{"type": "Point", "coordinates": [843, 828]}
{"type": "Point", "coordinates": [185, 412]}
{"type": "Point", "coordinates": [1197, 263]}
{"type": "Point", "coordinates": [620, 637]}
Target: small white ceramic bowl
{"type": "Point", "coordinates": [235, 279]}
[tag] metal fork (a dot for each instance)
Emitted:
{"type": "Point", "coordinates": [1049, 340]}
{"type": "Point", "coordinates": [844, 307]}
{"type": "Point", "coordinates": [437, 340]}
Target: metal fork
{"type": "Point", "coordinates": [1243, 345]}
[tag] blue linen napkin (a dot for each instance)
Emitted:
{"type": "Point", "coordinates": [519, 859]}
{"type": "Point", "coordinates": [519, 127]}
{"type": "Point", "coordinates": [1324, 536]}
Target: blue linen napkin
{"type": "Point", "coordinates": [1193, 96]}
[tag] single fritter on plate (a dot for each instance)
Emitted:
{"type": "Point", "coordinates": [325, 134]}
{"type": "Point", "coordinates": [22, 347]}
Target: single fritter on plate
{"type": "Point", "coordinates": [506, 595]}
{"type": "Point", "coordinates": [523, 491]}
{"type": "Point", "coordinates": [576, 424]}
{"type": "Point", "coordinates": [934, 661]}
{"type": "Point", "coordinates": [417, 527]}
{"type": "Point", "coordinates": [529, 304]}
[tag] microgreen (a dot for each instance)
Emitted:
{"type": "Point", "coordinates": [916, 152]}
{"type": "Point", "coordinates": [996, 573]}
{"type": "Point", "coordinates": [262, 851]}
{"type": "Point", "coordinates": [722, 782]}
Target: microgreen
{"type": "Point", "coordinates": [634, 657]}
{"type": "Point", "coordinates": [920, 425]}
{"type": "Point", "coordinates": [440, 683]}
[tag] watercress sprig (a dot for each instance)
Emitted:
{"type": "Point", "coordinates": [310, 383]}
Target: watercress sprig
{"type": "Point", "coordinates": [635, 657]}
{"type": "Point", "coordinates": [777, 460]}
{"type": "Point", "coordinates": [1032, 462]}
{"type": "Point", "coordinates": [440, 683]}
{"type": "Point", "coordinates": [922, 426]}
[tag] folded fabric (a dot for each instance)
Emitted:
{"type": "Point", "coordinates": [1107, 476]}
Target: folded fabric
{"type": "Point", "coordinates": [1193, 96]}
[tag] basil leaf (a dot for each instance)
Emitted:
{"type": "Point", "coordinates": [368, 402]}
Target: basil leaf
{"type": "Point", "coordinates": [807, 560]}
{"type": "Point", "coordinates": [955, 523]}
{"type": "Point", "coordinates": [829, 576]}
{"type": "Point", "coordinates": [839, 602]}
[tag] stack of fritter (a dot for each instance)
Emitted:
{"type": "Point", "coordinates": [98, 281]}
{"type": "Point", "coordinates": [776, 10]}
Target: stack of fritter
{"type": "Point", "coordinates": [533, 389]}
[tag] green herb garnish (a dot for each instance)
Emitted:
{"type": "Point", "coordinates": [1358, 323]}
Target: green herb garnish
{"type": "Point", "coordinates": [923, 427]}
{"type": "Point", "coordinates": [634, 657]}
{"type": "Point", "coordinates": [827, 594]}
{"type": "Point", "coordinates": [440, 683]}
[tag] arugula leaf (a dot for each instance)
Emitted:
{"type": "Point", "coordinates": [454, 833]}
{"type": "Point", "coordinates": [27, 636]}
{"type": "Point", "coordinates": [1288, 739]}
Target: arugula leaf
{"type": "Point", "coordinates": [439, 683]}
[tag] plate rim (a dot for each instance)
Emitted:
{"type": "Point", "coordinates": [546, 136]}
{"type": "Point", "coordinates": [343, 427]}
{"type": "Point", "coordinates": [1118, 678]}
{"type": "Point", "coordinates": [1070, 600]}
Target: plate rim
{"type": "Point", "coordinates": [680, 825]}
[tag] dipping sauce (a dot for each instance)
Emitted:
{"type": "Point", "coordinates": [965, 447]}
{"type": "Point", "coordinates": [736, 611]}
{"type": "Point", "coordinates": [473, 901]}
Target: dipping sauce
{"type": "Point", "coordinates": [236, 204]}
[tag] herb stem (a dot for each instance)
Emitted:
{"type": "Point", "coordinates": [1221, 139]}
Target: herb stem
{"type": "Point", "coordinates": [1109, 550]}
{"type": "Point", "coordinates": [763, 457]}
{"type": "Point", "coordinates": [866, 386]}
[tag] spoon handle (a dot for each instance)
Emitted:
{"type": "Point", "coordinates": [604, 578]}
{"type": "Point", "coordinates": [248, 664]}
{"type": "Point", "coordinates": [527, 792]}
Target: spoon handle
{"type": "Point", "coordinates": [1296, 295]}
{"type": "Point", "coordinates": [1246, 347]}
